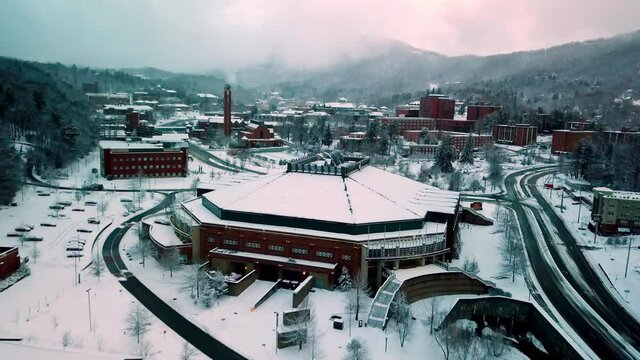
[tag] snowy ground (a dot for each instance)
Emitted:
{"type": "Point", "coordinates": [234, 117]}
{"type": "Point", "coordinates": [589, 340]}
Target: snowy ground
{"type": "Point", "coordinates": [48, 303]}
{"type": "Point", "coordinates": [612, 258]}
{"type": "Point", "coordinates": [252, 332]}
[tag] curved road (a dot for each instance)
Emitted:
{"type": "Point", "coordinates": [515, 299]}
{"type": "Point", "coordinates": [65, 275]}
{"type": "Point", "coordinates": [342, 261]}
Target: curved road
{"type": "Point", "coordinates": [601, 341]}
{"type": "Point", "coordinates": [202, 341]}
{"type": "Point", "coordinates": [597, 295]}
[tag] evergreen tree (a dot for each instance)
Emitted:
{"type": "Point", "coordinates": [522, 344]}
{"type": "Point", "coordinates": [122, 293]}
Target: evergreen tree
{"type": "Point", "coordinates": [11, 170]}
{"type": "Point", "coordinates": [496, 175]}
{"type": "Point", "coordinates": [344, 281]}
{"type": "Point", "coordinates": [445, 154]}
{"type": "Point", "coordinates": [425, 136]}
{"type": "Point", "coordinates": [327, 138]}
{"type": "Point", "coordinates": [467, 151]}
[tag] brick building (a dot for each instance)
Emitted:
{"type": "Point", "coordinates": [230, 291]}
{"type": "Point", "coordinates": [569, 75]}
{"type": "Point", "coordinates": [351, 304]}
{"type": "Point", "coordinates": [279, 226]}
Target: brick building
{"type": "Point", "coordinates": [101, 99]}
{"type": "Point", "coordinates": [437, 106]}
{"type": "Point", "coordinates": [295, 223]}
{"type": "Point", "coordinates": [518, 134]}
{"type": "Point", "coordinates": [616, 211]}
{"type": "Point", "coordinates": [459, 139]}
{"type": "Point", "coordinates": [479, 111]}
{"type": "Point", "coordinates": [566, 141]}
{"type": "Point", "coordinates": [409, 110]}
{"type": "Point", "coordinates": [420, 149]}
{"type": "Point", "coordinates": [159, 156]}
{"type": "Point", "coordinates": [410, 123]}
{"type": "Point", "coordinates": [465, 126]}
{"type": "Point", "coordinates": [9, 261]}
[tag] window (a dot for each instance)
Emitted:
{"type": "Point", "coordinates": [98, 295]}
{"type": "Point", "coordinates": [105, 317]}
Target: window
{"type": "Point", "coordinates": [230, 242]}
{"type": "Point", "coordinates": [210, 239]}
{"type": "Point", "coordinates": [252, 244]}
{"type": "Point", "coordinates": [346, 257]}
{"type": "Point", "coordinates": [300, 251]}
{"type": "Point", "coordinates": [276, 248]}
{"type": "Point", "coordinates": [324, 254]}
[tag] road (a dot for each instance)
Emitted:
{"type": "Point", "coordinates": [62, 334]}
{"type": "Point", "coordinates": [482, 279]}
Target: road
{"type": "Point", "coordinates": [202, 341]}
{"type": "Point", "coordinates": [596, 294]}
{"type": "Point", "coordinates": [564, 299]}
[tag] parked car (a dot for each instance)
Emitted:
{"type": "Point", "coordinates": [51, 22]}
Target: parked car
{"type": "Point", "coordinates": [93, 220]}
{"type": "Point", "coordinates": [64, 203]}
{"type": "Point", "coordinates": [84, 230]}
{"type": "Point", "coordinates": [23, 228]}
{"type": "Point", "coordinates": [125, 200]}
{"type": "Point", "coordinates": [476, 205]}
{"type": "Point", "coordinates": [56, 207]}
{"type": "Point", "coordinates": [13, 234]}
{"type": "Point", "coordinates": [77, 240]}
{"type": "Point", "coordinates": [126, 213]}
{"type": "Point", "coordinates": [162, 221]}
{"type": "Point", "coordinates": [90, 203]}
{"type": "Point", "coordinates": [44, 194]}
{"type": "Point", "coordinates": [75, 247]}
{"type": "Point", "coordinates": [48, 224]}
{"type": "Point", "coordinates": [93, 187]}
{"type": "Point", "coordinates": [73, 253]}
{"type": "Point", "coordinates": [33, 238]}
{"type": "Point", "coordinates": [13, 203]}
{"type": "Point", "coordinates": [78, 209]}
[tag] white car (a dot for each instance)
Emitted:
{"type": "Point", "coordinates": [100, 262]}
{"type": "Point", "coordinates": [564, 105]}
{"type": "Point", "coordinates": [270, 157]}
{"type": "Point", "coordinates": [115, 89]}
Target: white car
{"type": "Point", "coordinates": [72, 254]}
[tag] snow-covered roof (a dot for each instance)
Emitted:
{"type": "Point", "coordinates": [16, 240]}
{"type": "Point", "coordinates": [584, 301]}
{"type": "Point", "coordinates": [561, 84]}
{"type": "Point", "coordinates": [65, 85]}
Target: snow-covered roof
{"type": "Point", "coordinates": [207, 95]}
{"type": "Point", "coordinates": [142, 108]}
{"type": "Point", "coordinates": [369, 195]}
{"type": "Point", "coordinates": [339, 105]}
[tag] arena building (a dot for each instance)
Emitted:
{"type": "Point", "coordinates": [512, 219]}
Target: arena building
{"type": "Point", "coordinates": [318, 216]}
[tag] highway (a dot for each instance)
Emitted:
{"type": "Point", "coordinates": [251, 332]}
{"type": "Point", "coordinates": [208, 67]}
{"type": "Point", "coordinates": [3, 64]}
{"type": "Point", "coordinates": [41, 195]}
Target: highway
{"type": "Point", "coordinates": [202, 341]}
{"type": "Point", "coordinates": [561, 285]}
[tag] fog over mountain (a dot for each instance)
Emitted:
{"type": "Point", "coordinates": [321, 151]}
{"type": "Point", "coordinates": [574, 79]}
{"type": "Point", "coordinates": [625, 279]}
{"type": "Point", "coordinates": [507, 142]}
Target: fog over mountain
{"type": "Point", "coordinates": [199, 36]}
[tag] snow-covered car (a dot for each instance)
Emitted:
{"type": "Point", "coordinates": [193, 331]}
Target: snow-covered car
{"type": "Point", "coordinates": [48, 224]}
{"type": "Point", "coordinates": [77, 240]}
{"type": "Point", "coordinates": [125, 200]}
{"type": "Point", "coordinates": [72, 254]}
{"type": "Point", "coordinates": [23, 228]}
{"type": "Point", "coordinates": [56, 207]}
{"type": "Point", "coordinates": [126, 213]}
{"type": "Point", "coordinates": [13, 234]}
{"type": "Point", "coordinates": [84, 230]}
{"type": "Point", "coordinates": [162, 221]}
{"type": "Point", "coordinates": [44, 194]}
{"type": "Point", "coordinates": [78, 209]}
{"type": "Point", "coordinates": [93, 220]}
{"type": "Point", "coordinates": [64, 203]}
{"type": "Point", "coordinates": [90, 203]}
{"type": "Point", "coordinates": [33, 238]}
{"type": "Point", "coordinates": [75, 247]}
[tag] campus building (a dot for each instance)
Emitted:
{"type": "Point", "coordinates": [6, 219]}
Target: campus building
{"type": "Point", "coordinates": [316, 217]}
{"type": "Point", "coordinates": [518, 134]}
{"type": "Point", "coordinates": [158, 156]}
{"type": "Point", "coordinates": [9, 261]}
{"type": "Point", "coordinates": [479, 111]}
{"type": "Point", "coordinates": [437, 106]}
{"type": "Point", "coordinates": [566, 141]}
{"type": "Point", "coordinates": [616, 211]}
{"type": "Point", "coordinates": [459, 139]}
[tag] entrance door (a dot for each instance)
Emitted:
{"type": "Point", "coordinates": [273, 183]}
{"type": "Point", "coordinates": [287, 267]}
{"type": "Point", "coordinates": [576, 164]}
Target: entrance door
{"type": "Point", "coordinates": [267, 272]}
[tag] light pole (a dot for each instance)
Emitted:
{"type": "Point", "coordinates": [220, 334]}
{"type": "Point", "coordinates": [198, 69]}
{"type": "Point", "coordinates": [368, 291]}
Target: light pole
{"type": "Point", "coordinates": [89, 299]}
{"type": "Point", "coordinates": [579, 206]}
{"type": "Point", "coordinates": [277, 318]}
{"type": "Point", "coordinates": [595, 230]}
{"type": "Point", "coordinates": [628, 253]}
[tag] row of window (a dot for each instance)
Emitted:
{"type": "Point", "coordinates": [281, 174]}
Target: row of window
{"type": "Point", "coordinates": [120, 176]}
{"type": "Point", "coordinates": [280, 248]}
{"type": "Point", "coordinates": [144, 158]}
{"type": "Point", "coordinates": [134, 167]}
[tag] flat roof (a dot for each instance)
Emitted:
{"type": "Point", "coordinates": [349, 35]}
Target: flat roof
{"type": "Point", "coordinates": [274, 258]}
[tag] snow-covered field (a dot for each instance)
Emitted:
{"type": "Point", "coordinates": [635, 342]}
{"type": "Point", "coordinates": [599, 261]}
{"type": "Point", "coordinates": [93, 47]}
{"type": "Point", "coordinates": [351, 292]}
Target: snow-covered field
{"type": "Point", "coordinates": [612, 258]}
{"type": "Point", "coordinates": [44, 306]}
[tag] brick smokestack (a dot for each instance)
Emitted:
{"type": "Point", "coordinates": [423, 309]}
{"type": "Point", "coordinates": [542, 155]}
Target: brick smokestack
{"type": "Point", "coordinates": [227, 110]}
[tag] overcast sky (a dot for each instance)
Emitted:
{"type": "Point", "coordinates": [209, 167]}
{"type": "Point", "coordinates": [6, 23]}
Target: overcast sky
{"type": "Point", "coordinates": [204, 35]}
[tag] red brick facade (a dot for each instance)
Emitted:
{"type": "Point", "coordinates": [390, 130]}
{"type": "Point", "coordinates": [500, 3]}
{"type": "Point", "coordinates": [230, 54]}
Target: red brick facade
{"type": "Point", "coordinates": [9, 261]}
{"type": "Point", "coordinates": [566, 141]}
{"type": "Point", "coordinates": [520, 135]}
{"type": "Point", "coordinates": [477, 112]}
{"type": "Point", "coordinates": [325, 250]}
{"type": "Point", "coordinates": [437, 107]}
{"type": "Point", "coordinates": [122, 163]}
{"type": "Point", "coordinates": [410, 123]}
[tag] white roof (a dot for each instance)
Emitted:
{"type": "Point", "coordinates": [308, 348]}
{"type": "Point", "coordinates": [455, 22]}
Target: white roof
{"type": "Point", "coordinates": [111, 144]}
{"type": "Point", "coordinates": [369, 195]}
{"type": "Point", "coordinates": [127, 107]}
{"type": "Point", "coordinates": [340, 105]}
{"type": "Point", "coordinates": [207, 95]}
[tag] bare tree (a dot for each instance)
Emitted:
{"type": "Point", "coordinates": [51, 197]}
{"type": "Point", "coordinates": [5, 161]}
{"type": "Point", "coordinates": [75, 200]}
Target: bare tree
{"type": "Point", "coordinates": [357, 350]}
{"type": "Point", "coordinates": [471, 266]}
{"type": "Point", "coordinates": [145, 350]}
{"type": "Point", "coordinates": [214, 288]}
{"type": "Point", "coordinates": [494, 341]}
{"type": "Point", "coordinates": [360, 292]}
{"type": "Point", "coordinates": [299, 324]}
{"type": "Point", "coordinates": [96, 267]}
{"type": "Point", "coordinates": [511, 250]}
{"type": "Point", "coordinates": [466, 345]}
{"type": "Point", "coordinates": [194, 282]}
{"type": "Point", "coordinates": [141, 250]}
{"type": "Point", "coordinates": [188, 351]}
{"type": "Point", "coordinates": [401, 313]}
{"type": "Point", "coordinates": [444, 337]}
{"type": "Point", "coordinates": [171, 260]}
{"type": "Point", "coordinates": [138, 321]}
{"type": "Point", "coordinates": [432, 311]}
{"type": "Point", "coordinates": [66, 339]}
{"type": "Point", "coordinates": [35, 252]}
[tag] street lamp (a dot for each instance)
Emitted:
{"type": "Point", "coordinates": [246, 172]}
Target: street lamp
{"type": "Point", "coordinates": [89, 300]}
{"type": "Point", "coordinates": [277, 318]}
